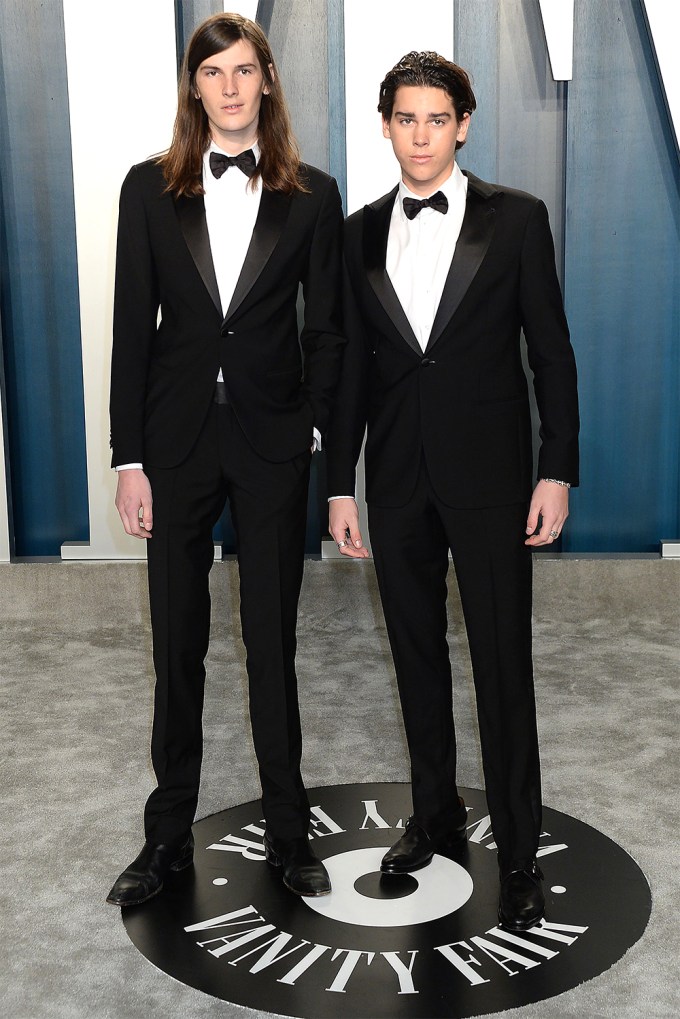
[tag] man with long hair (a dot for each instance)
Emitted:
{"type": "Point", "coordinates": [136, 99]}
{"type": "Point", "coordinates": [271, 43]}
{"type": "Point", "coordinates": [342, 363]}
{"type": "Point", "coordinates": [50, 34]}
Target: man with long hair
{"type": "Point", "coordinates": [443, 273]}
{"type": "Point", "coordinates": [222, 399]}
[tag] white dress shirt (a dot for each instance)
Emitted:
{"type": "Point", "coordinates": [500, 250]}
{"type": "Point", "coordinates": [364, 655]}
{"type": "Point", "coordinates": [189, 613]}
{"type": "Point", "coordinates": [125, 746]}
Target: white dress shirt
{"type": "Point", "coordinates": [419, 252]}
{"type": "Point", "coordinates": [231, 208]}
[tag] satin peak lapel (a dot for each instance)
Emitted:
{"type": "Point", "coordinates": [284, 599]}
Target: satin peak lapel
{"type": "Point", "coordinates": [376, 229]}
{"type": "Point", "coordinates": [191, 214]}
{"type": "Point", "coordinates": [473, 242]}
{"type": "Point", "coordinates": [271, 219]}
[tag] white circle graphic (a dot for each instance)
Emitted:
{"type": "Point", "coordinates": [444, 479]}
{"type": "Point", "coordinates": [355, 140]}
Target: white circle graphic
{"type": "Point", "coordinates": [443, 887]}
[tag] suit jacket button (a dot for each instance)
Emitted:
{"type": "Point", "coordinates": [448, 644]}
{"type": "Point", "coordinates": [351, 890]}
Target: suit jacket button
{"type": "Point", "coordinates": [426, 362]}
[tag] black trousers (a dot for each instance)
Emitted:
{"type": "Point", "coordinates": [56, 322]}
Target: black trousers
{"type": "Point", "coordinates": [268, 504]}
{"type": "Point", "coordinates": [493, 569]}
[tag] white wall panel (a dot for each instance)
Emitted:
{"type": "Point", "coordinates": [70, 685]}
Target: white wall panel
{"type": "Point", "coordinates": [122, 99]}
{"type": "Point", "coordinates": [663, 19]}
{"type": "Point", "coordinates": [558, 24]}
{"type": "Point", "coordinates": [248, 8]}
{"type": "Point", "coordinates": [377, 34]}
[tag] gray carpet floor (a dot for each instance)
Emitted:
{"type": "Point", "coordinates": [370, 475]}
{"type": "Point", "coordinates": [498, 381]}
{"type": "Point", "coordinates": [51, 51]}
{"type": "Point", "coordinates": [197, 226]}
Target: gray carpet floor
{"type": "Point", "coordinates": [76, 688]}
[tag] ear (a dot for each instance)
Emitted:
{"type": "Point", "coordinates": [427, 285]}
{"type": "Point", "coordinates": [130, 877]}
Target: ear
{"type": "Point", "coordinates": [463, 126]}
{"type": "Point", "coordinates": [386, 128]}
{"type": "Point", "coordinates": [265, 90]}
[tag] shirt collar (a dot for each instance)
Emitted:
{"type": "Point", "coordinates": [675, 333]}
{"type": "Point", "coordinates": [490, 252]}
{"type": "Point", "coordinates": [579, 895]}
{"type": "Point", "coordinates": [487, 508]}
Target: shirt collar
{"type": "Point", "coordinates": [208, 177]}
{"type": "Point", "coordinates": [454, 187]}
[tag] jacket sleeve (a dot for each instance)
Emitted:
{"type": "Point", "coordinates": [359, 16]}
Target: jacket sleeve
{"type": "Point", "coordinates": [550, 353]}
{"type": "Point", "coordinates": [350, 407]}
{"type": "Point", "coordinates": [321, 337]}
{"type": "Point", "coordinates": [135, 315]}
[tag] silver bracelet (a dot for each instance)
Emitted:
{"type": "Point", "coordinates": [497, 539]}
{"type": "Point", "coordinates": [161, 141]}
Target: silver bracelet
{"type": "Point", "coordinates": [554, 481]}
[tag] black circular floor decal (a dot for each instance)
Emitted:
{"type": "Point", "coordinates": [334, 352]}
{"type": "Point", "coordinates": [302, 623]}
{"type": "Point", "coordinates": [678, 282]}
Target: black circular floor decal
{"type": "Point", "coordinates": [426, 945]}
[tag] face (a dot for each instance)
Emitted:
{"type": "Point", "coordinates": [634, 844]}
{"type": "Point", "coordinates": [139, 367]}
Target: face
{"type": "Point", "coordinates": [230, 85]}
{"type": "Point", "coordinates": [423, 130]}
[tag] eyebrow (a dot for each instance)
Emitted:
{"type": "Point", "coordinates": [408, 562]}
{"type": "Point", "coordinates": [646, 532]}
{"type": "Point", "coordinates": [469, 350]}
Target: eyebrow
{"type": "Point", "coordinates": [431, 116]}
{"type": "Point", "coordinates": [214, 67]}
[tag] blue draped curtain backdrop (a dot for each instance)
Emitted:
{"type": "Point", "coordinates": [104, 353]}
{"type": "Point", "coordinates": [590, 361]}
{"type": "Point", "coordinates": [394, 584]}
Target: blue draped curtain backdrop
{"type": "Point", "coordinates": [599, 149]}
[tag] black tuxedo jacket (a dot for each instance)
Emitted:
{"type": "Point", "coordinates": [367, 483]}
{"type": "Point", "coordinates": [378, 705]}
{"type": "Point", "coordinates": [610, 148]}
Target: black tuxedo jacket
{"type": "Point", "coordinates": [464, 401]}
{"type": "Point", "coordinates": [280, 381]}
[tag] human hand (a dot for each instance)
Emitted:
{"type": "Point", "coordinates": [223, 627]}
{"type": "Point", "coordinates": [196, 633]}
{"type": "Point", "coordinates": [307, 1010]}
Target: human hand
{"type": "Point", "coordinates": [551, 501]}
{"type": "Point", "coordinates": [343, 518]}
{"type": "Point", "coordinates": [133, 493]}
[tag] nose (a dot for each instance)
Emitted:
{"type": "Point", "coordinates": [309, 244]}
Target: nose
{"type": "Point", "coordinates": [420, 138]}
{"type": "Point", "coordinates": [230, 88]}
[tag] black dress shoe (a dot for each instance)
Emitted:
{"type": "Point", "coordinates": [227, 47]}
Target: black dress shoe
{"type": "Point", "coordinates": [144, 877]}
{"type": "Point", "coordinates": [303, 873]}
{"type": "Point", "coordinates": [521, 904]}
{"type": "Point", "coordinates": [415, 848]}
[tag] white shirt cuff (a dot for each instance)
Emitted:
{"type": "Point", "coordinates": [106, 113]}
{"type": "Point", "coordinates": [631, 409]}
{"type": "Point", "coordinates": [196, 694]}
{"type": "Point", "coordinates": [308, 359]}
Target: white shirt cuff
{"type": "Point", "coordinates": [130, 467]}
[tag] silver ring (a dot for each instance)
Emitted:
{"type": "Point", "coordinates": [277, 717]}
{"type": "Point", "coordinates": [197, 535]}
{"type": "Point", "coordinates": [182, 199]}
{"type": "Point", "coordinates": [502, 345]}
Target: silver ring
{"type": "Point", "coordinates": [554, 534]}
{"type": "Point", "coordinates": [342, 544]}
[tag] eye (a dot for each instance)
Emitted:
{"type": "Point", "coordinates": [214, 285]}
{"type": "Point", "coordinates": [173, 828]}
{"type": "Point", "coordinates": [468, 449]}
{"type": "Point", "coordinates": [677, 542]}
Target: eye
{"type": "Point", "coordinates": [405, 121]}
{"type": "Point", "coordinates": [211, 73]}
{"type": "Point", "coordinates": [246, 70]}
{"type": "Point", "coordinates": [438, 123]}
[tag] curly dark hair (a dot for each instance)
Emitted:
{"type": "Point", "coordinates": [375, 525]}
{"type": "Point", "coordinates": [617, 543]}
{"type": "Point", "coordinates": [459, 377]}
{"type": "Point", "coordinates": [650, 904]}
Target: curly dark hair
{"type": "Point", "coordinates": [428, 70]}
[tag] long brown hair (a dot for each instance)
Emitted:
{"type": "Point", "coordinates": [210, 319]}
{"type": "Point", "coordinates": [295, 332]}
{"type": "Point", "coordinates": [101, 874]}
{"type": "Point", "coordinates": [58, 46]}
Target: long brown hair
{"type": "Point", "coordinates": [279, 163]}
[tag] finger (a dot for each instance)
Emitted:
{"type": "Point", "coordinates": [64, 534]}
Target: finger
{"type": "Point", "coordinates": [532, 519]}
{"type": "Point", "coordinates": [136, 526]}
{"type": "Point", "coordinates": [549, 532]}
{"type": "Point", "coordinates": [147, 515]}
{"type": "Point", "coordinates": [338, 530]}
{"type": "Point", "coordinates": [354, 553]}
{"type": "Point", "coordinates": [348, 546]}
{"type": "Point", "coordinates": [355, 534]}
{"type": "Point", "coordinates": [131, 525]}
{"type": "Point", "coordinates": [131, 522]}
{"type": "Point", "coordinates": [144, 530]}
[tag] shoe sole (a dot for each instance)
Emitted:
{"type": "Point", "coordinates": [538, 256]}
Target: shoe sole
{"type": "Point", "coordinates": [134, 902]}
{"type": "Point", "coordinates": [306, 895]}
{"type": "Point", "coordinates": [273, 861]}
{"type": "Point", "coordinates": [177, 866]}
{"type": "Point", "coordinates": [519, 925]}
{"type": "Point", "coordinates": [451, 853]}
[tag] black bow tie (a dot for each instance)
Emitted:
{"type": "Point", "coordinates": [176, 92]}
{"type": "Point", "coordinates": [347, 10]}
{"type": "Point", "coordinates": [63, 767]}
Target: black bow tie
{"type": "Point", "coordinates": [438, 201]}
{"type": "Point", "coordinates": [245, 161]}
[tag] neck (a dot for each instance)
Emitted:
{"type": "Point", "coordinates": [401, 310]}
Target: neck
{"type": "Point", "coordinates": [425, 188]}
{"type": "Point", "coordinates": [233, 142]}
